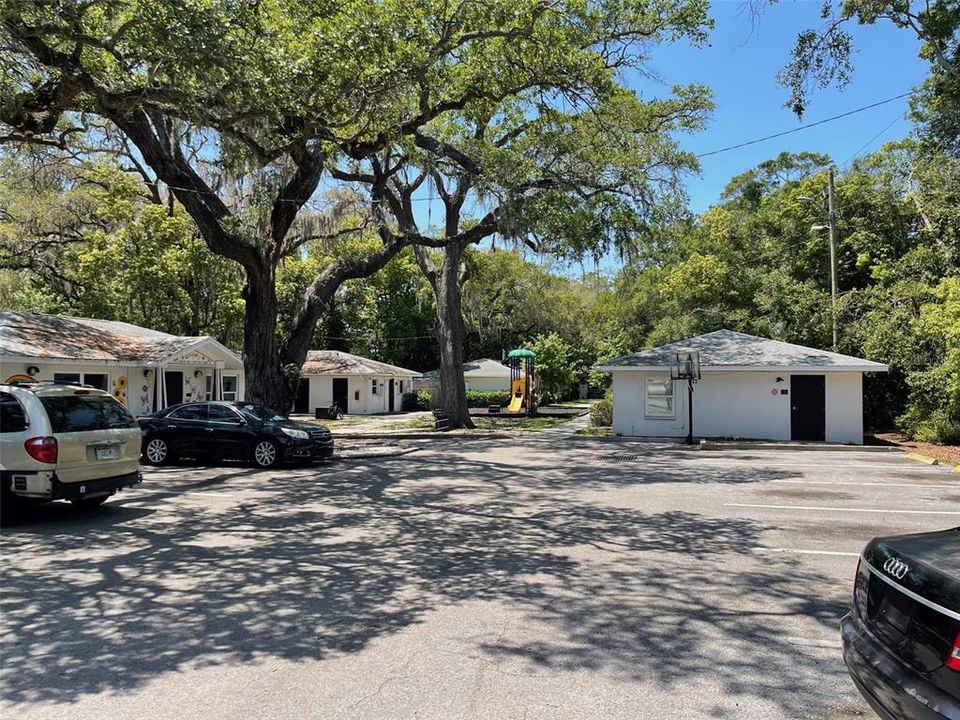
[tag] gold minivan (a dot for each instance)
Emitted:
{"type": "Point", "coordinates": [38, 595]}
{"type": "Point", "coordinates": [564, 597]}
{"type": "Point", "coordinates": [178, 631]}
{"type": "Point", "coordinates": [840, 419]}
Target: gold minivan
{"type": "Point", "coordinates": [69, 442]}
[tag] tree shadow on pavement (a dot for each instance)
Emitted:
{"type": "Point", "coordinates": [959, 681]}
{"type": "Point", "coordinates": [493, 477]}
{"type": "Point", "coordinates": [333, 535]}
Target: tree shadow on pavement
{"type": "Point", "coordinates": [322, 561]}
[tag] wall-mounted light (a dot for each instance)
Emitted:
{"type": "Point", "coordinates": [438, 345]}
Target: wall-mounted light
{"type": "Point", "coordinates": [779, 379]}
{"type": "Point", "coordinates": [198, 373]}
{"type": "Point", "coordinates": [32, 370]}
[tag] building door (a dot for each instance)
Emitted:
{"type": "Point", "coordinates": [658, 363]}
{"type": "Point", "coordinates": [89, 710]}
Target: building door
{"type": "Point", "coordinates": [340, 392]}
{"type": "Point", "coordinates": [302, 403]}
{"type": "Point", "coordinates": [808, 407]}
{"type": "Point", "coordinates": [173, 379]}
{"type": "Point", "coordinates": [390, 396]}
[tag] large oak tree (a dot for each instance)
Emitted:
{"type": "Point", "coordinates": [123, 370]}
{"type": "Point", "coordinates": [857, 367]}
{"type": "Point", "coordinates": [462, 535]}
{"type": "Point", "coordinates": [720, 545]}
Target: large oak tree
{"type": "Point", "coordinates": [283, 93]}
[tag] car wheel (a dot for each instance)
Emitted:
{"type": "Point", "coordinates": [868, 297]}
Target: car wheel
{"type": "Point", "coordinates": [157, 451]}
{"type": "Point", "coordinates": [89, 503]}
{"type": "Point", "coordinates": [265, 454]}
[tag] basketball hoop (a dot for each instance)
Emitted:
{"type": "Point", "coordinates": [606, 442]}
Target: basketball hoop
{"type": "Point", "coordinates": [685, 365]}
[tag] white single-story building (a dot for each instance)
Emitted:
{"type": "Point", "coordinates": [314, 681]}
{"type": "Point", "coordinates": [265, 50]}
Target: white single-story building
{"type": "Point", "coordinates": [146, 370]}
{"type": "Point", "coordinates": [357, 384]}
{"type": "Point", "coordinates": [483, 375]}
{"type": "Point", "coordinates": [750, 388]}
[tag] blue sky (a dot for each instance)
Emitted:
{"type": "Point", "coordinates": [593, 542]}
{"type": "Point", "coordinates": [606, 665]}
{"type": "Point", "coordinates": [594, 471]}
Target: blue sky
{"type": "Point", "coordinates": [740, 64]}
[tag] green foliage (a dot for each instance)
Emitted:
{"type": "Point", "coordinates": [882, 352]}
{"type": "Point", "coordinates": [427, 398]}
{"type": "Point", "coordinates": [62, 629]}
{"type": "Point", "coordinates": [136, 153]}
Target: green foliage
{"type": "Point", "coordinates": [557, 367]}
{"type": "Point", "coordinates": [412, 401]}
{"type": "Point", "coordinates": [480, 398]}
{"type": "Point", "coordinates": [601, 412]}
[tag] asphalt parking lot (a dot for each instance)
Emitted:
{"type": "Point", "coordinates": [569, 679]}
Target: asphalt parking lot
{"type": "Point", "coordinates": [472, 579]}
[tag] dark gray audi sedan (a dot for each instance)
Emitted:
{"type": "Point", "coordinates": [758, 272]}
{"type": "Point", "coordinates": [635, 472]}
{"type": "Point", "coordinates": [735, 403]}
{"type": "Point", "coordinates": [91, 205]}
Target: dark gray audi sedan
{"type": "Point", "coordinates": [901, 640]}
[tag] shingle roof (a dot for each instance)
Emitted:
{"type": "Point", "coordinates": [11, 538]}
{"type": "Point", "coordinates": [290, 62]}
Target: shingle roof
{"type": "Point", "coordinates": [73, 338]}
{"type": "Point", "coordinates": [335, 362]}
{"type": "Point", "coordinates": [726, 349]}
{"type": "Point", "coordinates": [484, 367]}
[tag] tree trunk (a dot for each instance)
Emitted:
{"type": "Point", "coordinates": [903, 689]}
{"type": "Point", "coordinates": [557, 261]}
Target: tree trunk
{"type": "Point", "coordinates": [451, 332]}
{"type": "Point", "coordinates": [266, 383]}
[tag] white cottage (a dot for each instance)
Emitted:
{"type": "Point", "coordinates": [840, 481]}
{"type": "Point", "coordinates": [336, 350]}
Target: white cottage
{"type": "Point", "coordinates": [357, 384]}
{"type": "Point", "coordinates": [483, 375]}
{"type": "Point", "coordinates": [751, 387]}
{"type": "Point", "coordinates": [146, 370]}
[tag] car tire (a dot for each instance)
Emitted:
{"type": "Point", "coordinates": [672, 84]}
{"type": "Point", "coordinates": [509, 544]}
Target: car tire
{"type": "Point", "coordinates": [157, 451]}
{"type": "Point", "coordinates": [266, 454]}
{"type": "Point", "coordinates": [90, 503]}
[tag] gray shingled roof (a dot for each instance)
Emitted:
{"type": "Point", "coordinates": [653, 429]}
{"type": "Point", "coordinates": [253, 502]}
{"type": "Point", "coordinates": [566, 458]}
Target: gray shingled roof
{"type": "Point", "coordinates": [726, 349]}
{"type": "Point", "coordinates": [484, 367]}
{"type": "Point", "coordinates": [335, 362]}
{"type": "Point", "coordinates": [59, 337]}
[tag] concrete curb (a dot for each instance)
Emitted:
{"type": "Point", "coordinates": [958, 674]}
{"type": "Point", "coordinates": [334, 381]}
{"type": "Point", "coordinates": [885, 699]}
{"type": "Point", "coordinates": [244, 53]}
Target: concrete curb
{"type": "Point", "coordinates": [428, 436]}
{"type": "Point", "coordinates": [925, 459]}
{"type": "Point", "coordinates": [798, 446]}
{"type": "Point", "coordinates": [363, 455]}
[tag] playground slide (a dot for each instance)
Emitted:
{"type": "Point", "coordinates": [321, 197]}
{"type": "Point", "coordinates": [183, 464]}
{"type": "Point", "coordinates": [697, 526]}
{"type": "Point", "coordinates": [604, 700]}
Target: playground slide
{"type": "Point", "coordinates": [516, 402]}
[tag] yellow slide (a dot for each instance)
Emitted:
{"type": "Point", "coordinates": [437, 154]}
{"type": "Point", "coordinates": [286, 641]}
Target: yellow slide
{"type": "Point", "coordinates": [516, 402]}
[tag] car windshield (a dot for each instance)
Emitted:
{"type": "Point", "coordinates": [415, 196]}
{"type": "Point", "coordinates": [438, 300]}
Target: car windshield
{"type": "Point", "coordinates": [77, 413]}
{"type": "Point", "coordinates": [258, 412]}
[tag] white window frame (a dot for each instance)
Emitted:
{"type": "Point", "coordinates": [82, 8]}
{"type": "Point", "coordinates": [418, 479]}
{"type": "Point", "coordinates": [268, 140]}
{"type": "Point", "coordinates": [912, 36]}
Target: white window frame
{"type": "Point", "coordinates": [374, 387]}
{"type": "Point", "coordinates": [231, 393]}
{"type": "Point", "coordinates": [656, 413]}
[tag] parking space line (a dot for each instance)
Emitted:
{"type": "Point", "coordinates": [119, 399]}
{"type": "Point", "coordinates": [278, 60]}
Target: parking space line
{"type": "Point", "coordinates": [794, 551]}
{"type": "Point", "coordinates": [842, 509]}
{"type": "Point", "coordinates": [947, 486]}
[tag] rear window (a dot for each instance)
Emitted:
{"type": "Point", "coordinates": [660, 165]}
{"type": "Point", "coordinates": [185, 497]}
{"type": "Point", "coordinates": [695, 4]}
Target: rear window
{"type": "Point", "coordinates": [76, 413]}
{"type": "Point", "coordinates": [12, 417]}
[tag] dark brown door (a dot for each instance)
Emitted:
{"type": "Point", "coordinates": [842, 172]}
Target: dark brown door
{"type": "Point", "coordinates": [302, 403]}
{"type": "Point", "coordinates": [340, 393]}
{"type": "Point", "coordinates": [808, 407]}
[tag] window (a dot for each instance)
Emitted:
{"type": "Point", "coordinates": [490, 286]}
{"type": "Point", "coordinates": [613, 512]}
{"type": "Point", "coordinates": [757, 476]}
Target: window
{"type": "Point", "coordinates": [230, 385]}
{"type": "Point", "coordinates": [190, 411]}
{"type": "Point", "coordinates": [98, 380]}
{"type": "Point", "coordinates": [77, 413]}
{"type": "Point", "coordinates": [374, 388]}
{"type": "Point", "coordinates": [101, 381]}
{"type": "Point", "coordinates": [12, 417]}
{"type": "Point", "coordinates": [208, 391]}
{"type": "Point", "coordinates": [400, 386]}
{"type": "Point", "coordinates": [221, 413]}
{"type": "Point", "coordinates": [659, 398]}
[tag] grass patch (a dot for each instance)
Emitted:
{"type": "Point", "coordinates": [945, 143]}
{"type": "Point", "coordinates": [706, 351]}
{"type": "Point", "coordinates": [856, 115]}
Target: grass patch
{"type": "Point", "coordinates": [521, 424]}
{"type": "Point", "coordinates": [595, 432]}
{"type": "Point", "coordinates": [424, 423]}
{"type": "Point", "coordinates": [345, 421]}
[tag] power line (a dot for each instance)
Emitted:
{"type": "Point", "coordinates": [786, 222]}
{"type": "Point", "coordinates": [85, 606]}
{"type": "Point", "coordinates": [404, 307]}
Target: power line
{"type": "Point", "coordinates": [804, 127]}
{"type": "Point", "coordinates": [870, 142]}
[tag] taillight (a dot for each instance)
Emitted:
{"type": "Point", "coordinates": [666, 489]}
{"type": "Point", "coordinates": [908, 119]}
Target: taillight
{"type": "Point", "coordinates": [953, 657]}
{"type": "Point", "coordinates": [42, 449]}
{"type": "Point", "coordinates": [861, 581]}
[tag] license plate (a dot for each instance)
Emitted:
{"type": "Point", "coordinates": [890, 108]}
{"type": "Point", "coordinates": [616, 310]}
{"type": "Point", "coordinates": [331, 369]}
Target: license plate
{"type": "Point", "coordinates": [108, 453]}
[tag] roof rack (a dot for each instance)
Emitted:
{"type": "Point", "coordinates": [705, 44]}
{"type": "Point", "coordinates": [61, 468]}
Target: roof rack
{"type": "Point", "coordinates": [60, 382]}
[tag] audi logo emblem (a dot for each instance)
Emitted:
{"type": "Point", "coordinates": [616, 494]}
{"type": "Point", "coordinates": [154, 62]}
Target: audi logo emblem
{"type": "Point", "coordinates": [896, 568]}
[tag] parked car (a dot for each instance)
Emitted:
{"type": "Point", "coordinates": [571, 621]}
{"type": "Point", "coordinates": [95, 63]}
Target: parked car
{"type": "Point", "coordinates": [901, 640]}
{"type": "Point", "coordinates": [65, 442]}
{"type": "Point", "coordinates": [220, 431]}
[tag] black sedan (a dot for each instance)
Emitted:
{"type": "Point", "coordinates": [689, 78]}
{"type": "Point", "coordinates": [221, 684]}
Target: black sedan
{"type": "Point", "coordinates": [230, 431]}
{"type": "Point", "coordinates": [901, 641]}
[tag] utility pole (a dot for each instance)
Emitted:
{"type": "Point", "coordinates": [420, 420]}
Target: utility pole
{"type": "Point", "coordinates": [832, 224]}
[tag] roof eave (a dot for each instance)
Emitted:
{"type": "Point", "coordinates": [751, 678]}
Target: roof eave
{"type": "Point", "coordinates": [872, 367]}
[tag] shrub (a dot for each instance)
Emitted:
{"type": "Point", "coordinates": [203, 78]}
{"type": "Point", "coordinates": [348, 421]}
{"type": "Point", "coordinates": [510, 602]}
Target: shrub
{"type": "Point", "coordinates": [936, 429]}
{"type": "Point", "coordinates": [477, 398]}
{"type": "Point", "coordinates": [601, 412]}
{"type": "Point", "coordinates": [415, 401]}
